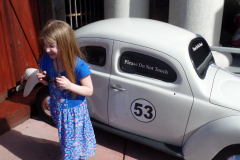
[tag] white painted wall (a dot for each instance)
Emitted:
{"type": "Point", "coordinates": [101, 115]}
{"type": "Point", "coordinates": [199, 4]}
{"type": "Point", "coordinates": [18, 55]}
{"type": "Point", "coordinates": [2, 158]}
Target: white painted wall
{"type": "Point", "coordinates": [126, 8]}
{"type": "Point", "coordinates": [203, 17]}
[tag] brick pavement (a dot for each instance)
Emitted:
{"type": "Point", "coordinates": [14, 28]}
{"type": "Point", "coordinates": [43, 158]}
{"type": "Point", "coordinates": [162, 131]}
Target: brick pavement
{"type": "Point", "coordinates": [36, 140]}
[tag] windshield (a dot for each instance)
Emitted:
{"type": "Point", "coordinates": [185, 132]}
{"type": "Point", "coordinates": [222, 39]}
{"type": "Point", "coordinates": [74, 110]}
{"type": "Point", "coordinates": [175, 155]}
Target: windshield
{"type": "Point", "coordinates": [201, 56]}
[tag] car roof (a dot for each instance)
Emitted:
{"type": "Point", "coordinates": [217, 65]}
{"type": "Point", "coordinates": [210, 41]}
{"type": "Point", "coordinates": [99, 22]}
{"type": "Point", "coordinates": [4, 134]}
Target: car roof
{"type": "Point", "coordinates": [145, 32]}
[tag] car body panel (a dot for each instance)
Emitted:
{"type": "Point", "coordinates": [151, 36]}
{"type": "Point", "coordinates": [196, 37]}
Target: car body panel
{"type": "Point", "coordinates": [100, 78]}
{"type": "Point", "coordinates": [171, 112]}
{"type": "Point", "coordinates": [203, 111]}
{"type": "Point", "coordinates": [226, 90]}
{"type": "Point", "coordinates": [211, 138]}
{"type": "Point", "coordinates": [32, 80]}
{"type": "Point", "coordinates": [204, 114]}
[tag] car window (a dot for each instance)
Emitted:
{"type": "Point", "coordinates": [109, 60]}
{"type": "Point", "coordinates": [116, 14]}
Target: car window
{"type": "Point", "coordinates": [137, 63]}
{"type": "Point", "coordinates": [200, 55]}
{"type": "Point", "coordinates": [95, 55]}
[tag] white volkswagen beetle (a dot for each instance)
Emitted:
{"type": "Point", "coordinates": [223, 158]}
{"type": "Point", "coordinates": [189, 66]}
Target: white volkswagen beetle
{"type": "Point", "coordinates": [158, 84]}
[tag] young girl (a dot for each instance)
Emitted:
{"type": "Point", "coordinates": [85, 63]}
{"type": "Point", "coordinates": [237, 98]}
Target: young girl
{"type": "Point", "coordinates": [69, 81]}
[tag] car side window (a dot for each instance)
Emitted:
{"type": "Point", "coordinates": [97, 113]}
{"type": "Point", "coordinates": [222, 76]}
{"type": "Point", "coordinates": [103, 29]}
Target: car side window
{"type": "Point", "coordinates": [95, 55]}
{"type": "Point", "coordinates": [137, 63]}
{"type": "Point", "coordinates": [201, 56]}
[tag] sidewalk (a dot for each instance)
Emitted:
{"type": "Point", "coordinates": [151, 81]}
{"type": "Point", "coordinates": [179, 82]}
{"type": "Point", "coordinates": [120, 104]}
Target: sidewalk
{"type": "Point", "coordinates": [37, 140]}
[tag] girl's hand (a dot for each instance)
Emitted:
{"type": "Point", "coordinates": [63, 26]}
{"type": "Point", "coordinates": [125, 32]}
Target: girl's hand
{"type": "Point", "coordinates": [41, 77]}
{"type": "Point", "coordinates": [63, 82]}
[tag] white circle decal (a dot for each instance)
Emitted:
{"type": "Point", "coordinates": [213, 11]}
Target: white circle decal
{"type": "Point", "coordinates": [143, 110]}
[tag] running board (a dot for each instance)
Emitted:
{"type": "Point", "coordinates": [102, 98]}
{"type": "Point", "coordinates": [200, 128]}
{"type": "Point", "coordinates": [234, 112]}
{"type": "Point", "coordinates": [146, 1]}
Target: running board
{"type": "Point", "coordinates": [145, 141]}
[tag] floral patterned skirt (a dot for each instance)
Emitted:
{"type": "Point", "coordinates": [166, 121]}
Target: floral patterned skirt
{"type": "Point", "coordinates": [75, 131]}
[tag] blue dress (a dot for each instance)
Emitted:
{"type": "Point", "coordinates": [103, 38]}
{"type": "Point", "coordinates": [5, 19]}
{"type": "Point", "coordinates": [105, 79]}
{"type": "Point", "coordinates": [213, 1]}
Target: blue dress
{"type": "Point", "coordinates": [75, 131]}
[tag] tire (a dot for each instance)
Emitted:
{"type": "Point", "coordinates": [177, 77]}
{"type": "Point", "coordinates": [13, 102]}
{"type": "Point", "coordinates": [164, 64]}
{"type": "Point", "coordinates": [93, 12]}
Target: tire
{"type": "Point", "coordinates": [228, 152]}
{"type": "Point", "coordinates": [42, 105]}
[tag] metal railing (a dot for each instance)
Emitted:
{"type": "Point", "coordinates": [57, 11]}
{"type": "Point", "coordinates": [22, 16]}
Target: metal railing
{"type": "Point", "coordinates": [83, 12]}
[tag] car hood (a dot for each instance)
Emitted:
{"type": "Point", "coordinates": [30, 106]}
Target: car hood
{"type": "Point", "coordinates": [226, 90]}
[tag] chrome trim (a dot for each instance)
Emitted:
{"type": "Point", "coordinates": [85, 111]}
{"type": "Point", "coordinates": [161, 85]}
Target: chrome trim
{"type": "Point", "coordinates": [115, 87]}
{"type": "Point", "coordinates": [225, 49]}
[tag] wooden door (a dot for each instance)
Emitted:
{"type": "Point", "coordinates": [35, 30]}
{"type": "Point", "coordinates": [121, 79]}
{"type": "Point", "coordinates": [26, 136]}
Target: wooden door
{"type": "Point", "coordinates": [19, 32]}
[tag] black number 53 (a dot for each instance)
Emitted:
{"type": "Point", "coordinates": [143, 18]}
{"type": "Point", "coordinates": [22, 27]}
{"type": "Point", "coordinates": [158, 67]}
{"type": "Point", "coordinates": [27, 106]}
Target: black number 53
{"type": "Point", "coordinates": [138, 108]}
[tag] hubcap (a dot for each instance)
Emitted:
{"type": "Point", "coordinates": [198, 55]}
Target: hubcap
{"type": "Point", "coordinates": [45, 106]}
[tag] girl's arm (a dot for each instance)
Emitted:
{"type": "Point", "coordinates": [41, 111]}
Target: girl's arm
{"type": "Point", "coordinates": [85, 90]}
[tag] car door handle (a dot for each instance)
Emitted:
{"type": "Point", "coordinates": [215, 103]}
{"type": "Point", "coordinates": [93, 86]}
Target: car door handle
{"type": "Point", "coordinates": [115, 87]}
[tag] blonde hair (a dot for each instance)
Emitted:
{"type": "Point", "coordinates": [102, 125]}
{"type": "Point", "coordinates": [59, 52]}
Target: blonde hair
{"type": "Point", "coordinates": [59, 32]}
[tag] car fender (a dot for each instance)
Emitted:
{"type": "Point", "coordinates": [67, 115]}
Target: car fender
{"type": "Point", "coordinates": [31, 75]}
{"type": "Point", "coordinates": [211, 138]}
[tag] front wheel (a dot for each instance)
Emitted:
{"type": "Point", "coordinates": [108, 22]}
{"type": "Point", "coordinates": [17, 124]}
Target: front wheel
{"type": "Point", "coordinates": [229, 153]}
{"type": "Point", "coordinates": [42, 104]}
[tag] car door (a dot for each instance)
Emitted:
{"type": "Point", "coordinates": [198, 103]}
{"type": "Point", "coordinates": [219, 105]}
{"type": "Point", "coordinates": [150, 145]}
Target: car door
{"type": "Point", "coordinates": [149, 94]}
{"type": "Point", "coordinates": [98, 53]}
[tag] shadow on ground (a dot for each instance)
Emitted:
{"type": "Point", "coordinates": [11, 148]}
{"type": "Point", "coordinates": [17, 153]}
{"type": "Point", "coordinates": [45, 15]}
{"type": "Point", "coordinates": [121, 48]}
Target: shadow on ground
{"type": "Point", "coordinates": [29, 148]}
